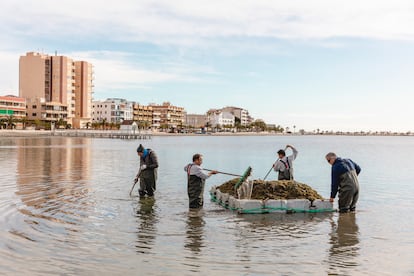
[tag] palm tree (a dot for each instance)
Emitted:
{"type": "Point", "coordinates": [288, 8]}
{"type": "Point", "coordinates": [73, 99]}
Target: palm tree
{"type": "Point", "coordinates": [2, 122]}
{"type": "Point", "coordinates": [60, 122]}
{"type": "Point", "coordinates": [10, 121]}
{"type": "Point", "coordinates": [164, 127]}
{"type": "Point", "coordinates": [23, 120]}
{"type": "Point", "coordinates": [103, 123]}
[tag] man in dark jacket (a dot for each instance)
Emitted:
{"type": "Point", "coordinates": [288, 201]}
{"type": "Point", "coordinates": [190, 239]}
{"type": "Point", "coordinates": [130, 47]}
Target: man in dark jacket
{"type": "Point", "coordinates": [196, 178]}
{"type": "Point", "coordinates": [147, 173]}
{"type": "Point", "coordinates": [345, 181]}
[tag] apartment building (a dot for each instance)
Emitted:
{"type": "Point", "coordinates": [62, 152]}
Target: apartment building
{"type": "Point", "coordinates": [143, 115]}
{"type": "Point", "coordinates": [195, 120]}
{"type": "Point", "coordinates": [112, 110]}
{"type": "Point", "coordinates": [156, 119]}
{"type": "Point", "coordinates": [241, 114]}
{"type": "Point", "coordinates": [11, 105]}
{"type": "Point", "coordinates": [58, 80]}
{"type": "Point", "coordinates": [170, 116]}
{"type": "Point", "coordinates": [12, 110]}
{"type": "Point", "coordinates": [220, 118]}
{"type": "Point", "coordinates": [46, 111]}
{"type": "Point", "coordinates": [83, 94]}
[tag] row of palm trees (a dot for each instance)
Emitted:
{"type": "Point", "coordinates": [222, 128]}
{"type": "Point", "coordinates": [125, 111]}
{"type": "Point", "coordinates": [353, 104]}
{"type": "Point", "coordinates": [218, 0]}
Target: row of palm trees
{"type": "Point", "coordinates": [11, 122]}
{"type": "Point", "coordinates": [256, 126]}
{"type": "Point", "coordinates": [8, 122]}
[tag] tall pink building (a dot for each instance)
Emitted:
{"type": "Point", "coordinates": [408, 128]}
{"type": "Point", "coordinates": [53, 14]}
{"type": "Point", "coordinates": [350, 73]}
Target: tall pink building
{"type": "Point", "coordinates": [83, 93]}
{"type": "Point", "coordinates": [58, 81]}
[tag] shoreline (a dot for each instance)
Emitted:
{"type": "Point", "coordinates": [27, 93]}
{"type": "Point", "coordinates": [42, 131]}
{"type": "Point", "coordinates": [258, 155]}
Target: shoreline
{"type": "Point", "coordinates": [47, 133]}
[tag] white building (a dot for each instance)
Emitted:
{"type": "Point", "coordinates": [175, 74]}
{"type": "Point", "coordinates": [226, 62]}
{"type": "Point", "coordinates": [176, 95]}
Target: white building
{"type": "Point", "coordinates": [112, 110]}
{"type": "Point", "coordinates": [240, 113]}
{"type": "Point", "coordinates": [219, 118]}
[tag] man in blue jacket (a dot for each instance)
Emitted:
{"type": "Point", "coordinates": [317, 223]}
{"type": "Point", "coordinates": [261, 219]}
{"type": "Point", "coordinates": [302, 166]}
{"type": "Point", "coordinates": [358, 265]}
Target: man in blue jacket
{"type": "Point", "coordinates": [147, 171]}
{"type": "Point", "coordinates": [345, 181]}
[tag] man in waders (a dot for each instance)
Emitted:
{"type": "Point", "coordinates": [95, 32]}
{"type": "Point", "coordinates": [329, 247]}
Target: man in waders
{"type": "Point", "coordinates": [345, 181]}
{"type": "Point", "coordinates": [147, 173]}
{"type": "Point", "coordinates": [196, 178]}
{"type": "Point", "coordinates": [284, 165]}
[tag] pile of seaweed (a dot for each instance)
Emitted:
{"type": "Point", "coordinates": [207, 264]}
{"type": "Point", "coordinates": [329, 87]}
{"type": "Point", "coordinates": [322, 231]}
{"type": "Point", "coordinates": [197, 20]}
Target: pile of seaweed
{"type": "Point", "coordinates": [280, 189]}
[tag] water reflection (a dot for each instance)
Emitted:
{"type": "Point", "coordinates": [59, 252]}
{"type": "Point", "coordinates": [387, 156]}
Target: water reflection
{"type": "Point", "coordinates": [66, 211]}
{"type": "Point", "coordinates": [52, 177]}
{"type": "Point", "coordinates": [147, 230]}
{"type": "Point", "coordinates": [194, 241]}
{"type": "Point", "coordinates": [344, 240]}
{"type": "Point", "coordinates": [279, 237]}
{"type": "Point", "coordinates": [195, 231]}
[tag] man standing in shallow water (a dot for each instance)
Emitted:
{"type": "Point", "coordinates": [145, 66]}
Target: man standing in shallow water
{"type": "Point", "coordinates": [284, 165]}
{"type": "Point", "coordinates": [196, 178]}
{"type": "Point", "coordinates": [147, 171]}
{"type": "Point", "coordinates": [345, 180]}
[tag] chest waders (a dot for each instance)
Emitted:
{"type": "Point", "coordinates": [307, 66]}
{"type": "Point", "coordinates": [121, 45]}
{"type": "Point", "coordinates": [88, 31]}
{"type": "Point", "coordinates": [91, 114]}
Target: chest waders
{"type": "Point", "coordinates": [147, 183]}
{"type": "Point", "coordinates": [285, 175]}
{"type": "Point", "coordinates": [348, 191]}
{"type": "Point", "coordinates": [195, 190]}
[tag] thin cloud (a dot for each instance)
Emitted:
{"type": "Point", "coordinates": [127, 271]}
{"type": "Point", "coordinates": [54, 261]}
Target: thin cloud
{"type": "Point", "coordinates": [119, 70]}
{"type": "Point", "coordinates": [197, 22]}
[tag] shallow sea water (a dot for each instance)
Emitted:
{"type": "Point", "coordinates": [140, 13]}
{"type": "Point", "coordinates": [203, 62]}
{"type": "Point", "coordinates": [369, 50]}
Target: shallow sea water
{"type": "Point", "coordinates": [65, 209]}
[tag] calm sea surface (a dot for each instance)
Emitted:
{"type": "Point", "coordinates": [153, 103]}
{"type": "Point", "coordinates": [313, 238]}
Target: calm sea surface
{"type": "Point", "coordinates": [65, 209]}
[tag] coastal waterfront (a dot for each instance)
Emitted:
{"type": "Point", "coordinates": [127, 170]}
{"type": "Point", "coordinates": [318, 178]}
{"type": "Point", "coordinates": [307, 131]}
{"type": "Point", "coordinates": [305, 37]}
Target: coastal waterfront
{"type": "Point", "coordinates": [106, 133]}
{"type": "Point", "coordinates": [66, 209]}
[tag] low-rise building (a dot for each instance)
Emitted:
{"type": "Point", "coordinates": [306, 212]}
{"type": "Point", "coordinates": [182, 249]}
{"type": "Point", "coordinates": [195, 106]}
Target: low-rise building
{"type": "Point", "coordinates": [12, 106]}
{"type": "Point", "coordinates": [171, 116]}
{"type": "Point", "coordinates": [156, 119]}
{"type": "Point", "coordinates": [241, 114]}
{"type": "Point", "coordinates": [142, 115]}
{"type": "Point", "coordinates": [40, 109]}
{"type": "Point", "coordinates": [112, 110]}
{"type": "Point", "coordinates": [196, 120]}
{"type": "Point", "coordinates": [219, 118]}
{"type": "Point", "coordinates": [12, 111]}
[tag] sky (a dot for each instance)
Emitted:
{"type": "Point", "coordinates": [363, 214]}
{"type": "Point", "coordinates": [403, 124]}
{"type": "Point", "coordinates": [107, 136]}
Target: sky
{"type": "Point", "coordinates": [324, 65]}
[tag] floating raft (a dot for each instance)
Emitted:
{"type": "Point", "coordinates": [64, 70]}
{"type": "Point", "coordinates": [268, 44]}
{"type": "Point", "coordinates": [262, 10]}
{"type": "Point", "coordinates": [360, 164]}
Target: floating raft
{"type": "Point", "coordinates": [283, 196]}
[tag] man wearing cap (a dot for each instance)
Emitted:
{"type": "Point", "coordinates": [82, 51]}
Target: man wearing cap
{"type": "Point", "coordinates": [284, 165]}
{"type": "Point", "coordinates": [344, 180]}
{"type": "Point", "coordinates": [147, 173]}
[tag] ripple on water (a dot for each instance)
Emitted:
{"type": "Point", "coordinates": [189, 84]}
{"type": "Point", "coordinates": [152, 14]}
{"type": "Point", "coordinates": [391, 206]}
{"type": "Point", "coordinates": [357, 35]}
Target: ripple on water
{"type": "Point", "coordinates": [66, 209]}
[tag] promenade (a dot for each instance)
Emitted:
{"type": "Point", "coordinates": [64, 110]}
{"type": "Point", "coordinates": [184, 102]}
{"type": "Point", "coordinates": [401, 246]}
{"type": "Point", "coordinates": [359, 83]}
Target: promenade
{"type": "Point", "coordinates": [113, 134]}
{"type": "Point", "coordinates": [121, 134]}
{"type": "Point", "coordinates": [125, 134]}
